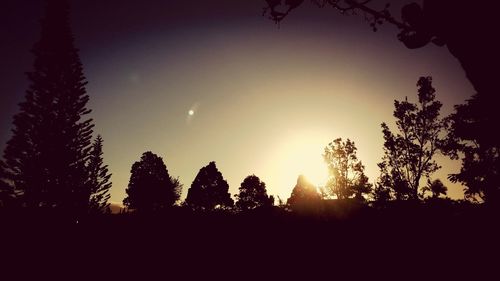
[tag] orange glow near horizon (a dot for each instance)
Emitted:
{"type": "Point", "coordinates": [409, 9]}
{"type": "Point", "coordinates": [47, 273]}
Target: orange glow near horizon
{"type": "Point", "coordinates": [301, 154]}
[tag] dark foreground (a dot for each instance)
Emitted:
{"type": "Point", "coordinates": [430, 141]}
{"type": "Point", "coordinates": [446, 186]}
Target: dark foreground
{"type": "Point", "coordinates": [402, 241]}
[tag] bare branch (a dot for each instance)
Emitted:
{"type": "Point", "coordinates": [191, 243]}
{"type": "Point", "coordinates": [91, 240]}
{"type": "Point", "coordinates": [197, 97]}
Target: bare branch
{"type": "Point", "coordinates": [351, 7]}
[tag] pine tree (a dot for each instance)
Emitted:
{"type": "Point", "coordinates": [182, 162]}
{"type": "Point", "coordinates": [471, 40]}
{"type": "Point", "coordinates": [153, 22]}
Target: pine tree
{"type": "Point", "coordinates": [99, 176]}
{"type": "Point", "coordinates": [151, 188]}
{"type": "Point", "coordinates": [209, 190]}
{"type": "Point", "coordinates": [51, 140]}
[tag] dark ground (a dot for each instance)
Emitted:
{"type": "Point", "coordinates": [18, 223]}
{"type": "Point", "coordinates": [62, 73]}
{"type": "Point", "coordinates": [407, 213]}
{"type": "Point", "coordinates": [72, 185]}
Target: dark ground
{"type": "Point", "coordinates": [403, 241]}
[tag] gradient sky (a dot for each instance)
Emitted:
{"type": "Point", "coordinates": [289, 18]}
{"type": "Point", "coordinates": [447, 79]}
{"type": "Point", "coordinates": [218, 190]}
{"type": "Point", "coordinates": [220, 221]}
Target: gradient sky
{"type": "Point", "coordinates": [266, 100]}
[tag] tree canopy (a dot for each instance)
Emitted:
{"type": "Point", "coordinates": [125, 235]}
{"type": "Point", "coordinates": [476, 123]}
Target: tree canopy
{"type": "Point", "coordinates": [151, 187]}
{"type": "Point", "coordinates": [209, 190]}
{"type": "Point", "coordinates": [464, 27]}
{"type": "Point", "coordinates": [346, 172]}
{"type": "Point", "coordinates": [409, 154]}
{"type": "Point", "coordinates": [436, 187]}
{"type": "Point", "coordinates": [472, 139]}
{"type": "Point", "coordinates": [253, 194]}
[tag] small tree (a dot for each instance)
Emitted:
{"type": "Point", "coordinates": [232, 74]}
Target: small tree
{"type": "Point", "coordinates": [99, 176]}
{"type": "Point", "coordinates": [381, 195]}
{"type": "Point", "coordinates": [253, 194]}
{"type": "Point", "coordinates": [209, 190]}
{"type": "Point", "coordinates": [304, 197]}
{"type": "Point", "coordinates": [362, 187]}
{"type": "Point", "coordinates": [408, 155]}
{"type": "Point", "coordinates": [346, 172]}
{"type": "Point", "coordinates": [151, 187]}
{"type": "Point", "coordinates": [436, 187]}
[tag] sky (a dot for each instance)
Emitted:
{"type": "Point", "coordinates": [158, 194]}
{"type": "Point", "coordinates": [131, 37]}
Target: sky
{"type": "Point", "coordinates": [217, 81]}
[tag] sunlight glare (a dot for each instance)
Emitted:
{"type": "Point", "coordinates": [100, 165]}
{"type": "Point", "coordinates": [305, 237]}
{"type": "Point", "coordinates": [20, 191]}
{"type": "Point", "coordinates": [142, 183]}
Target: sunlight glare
{"type": "Point", "coordinates": [300, 156]}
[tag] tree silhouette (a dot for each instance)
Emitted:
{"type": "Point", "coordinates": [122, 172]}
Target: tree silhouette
{"type": "Point", "coordinates": [98, 179]}
{"type": "Point", "coordinates": [381, 194]}
{"type": "Point", "coordinates": [253, 194]}
{"type": "Point", "coordinates": [464, 27]}
{"type": "Point", "coordinates": [209, 190]}
{"type": "Point", "coordinates": [436, 187]}
{"type": "Point", "coordinates": [346, 172]}
{"type": "Point", "coordinates": [473, 139]}
{"type": "Point", "coordinates": [6, 190]}
{"type": "Point", "coordinates": [408, 155]}
{"type": "Point", "coordinates": [151, 188]}
{"type": "Point", "coordinates": [362, 187]}
{"type": "Point", "coordinates": [304, 197]}
{"type": "Point", "coordinates": [51, 140]}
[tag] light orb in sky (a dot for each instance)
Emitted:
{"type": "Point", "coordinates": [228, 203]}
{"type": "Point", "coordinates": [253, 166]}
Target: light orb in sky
{"type": "Point", "coordinates": [191, 112]}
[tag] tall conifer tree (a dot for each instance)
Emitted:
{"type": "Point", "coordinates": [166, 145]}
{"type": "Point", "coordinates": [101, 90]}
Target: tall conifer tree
{"type": "Point", "coordinates": [99, 179]}
{"type": "Point", "coordinates": [51, 139]}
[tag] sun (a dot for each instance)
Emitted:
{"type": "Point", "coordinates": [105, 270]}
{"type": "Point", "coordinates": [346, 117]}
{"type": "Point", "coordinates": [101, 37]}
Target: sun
{"type": "Point", "coordinates": [299, 156]}
{"type": "Point", "coordinates": [306, 160]}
